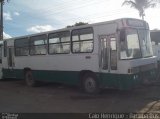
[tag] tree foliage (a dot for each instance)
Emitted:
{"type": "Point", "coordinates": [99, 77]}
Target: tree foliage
{"type": "Point", "coordinates": [4, 1]}
{"type": "Point", "coordinates": [141, 5]}
{"type": "Point", "coordinates": [77, 24]}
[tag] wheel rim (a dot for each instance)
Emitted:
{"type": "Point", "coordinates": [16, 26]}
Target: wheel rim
{"type": "Point", "coordinates": [90, 85]}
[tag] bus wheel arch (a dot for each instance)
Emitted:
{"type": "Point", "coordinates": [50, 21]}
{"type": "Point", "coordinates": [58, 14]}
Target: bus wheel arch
{"type": "Point", "coordinates": [26, 69]}
{"type": "Point", "coordinates": [89, 82]}
{"type": "Point", "coordinates": [29, 79]}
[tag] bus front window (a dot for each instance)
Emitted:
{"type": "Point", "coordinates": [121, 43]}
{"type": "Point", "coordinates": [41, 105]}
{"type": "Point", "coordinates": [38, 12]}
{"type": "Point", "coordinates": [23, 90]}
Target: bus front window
{"type": "Point", "coordinates": [130, 47]}
{"type": "Point", "coordinates": [146, 45]}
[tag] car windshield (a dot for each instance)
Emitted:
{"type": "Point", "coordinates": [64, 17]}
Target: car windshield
{"type": "Point", "coordinates": [137, 44]}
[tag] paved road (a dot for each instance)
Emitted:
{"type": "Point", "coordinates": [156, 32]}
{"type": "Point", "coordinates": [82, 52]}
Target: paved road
{"type": "Point", "coordinates": [15, 96]}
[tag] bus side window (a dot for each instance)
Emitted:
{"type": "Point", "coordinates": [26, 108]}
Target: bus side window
{"type": "Point", "coordinates": [82, 40]}
{"type": "Point", "coordinates": [22, 47]}
{"type": "Point", "coordinates": [59, 43]}
{"type": "Point", "coordinates": [38, 45]}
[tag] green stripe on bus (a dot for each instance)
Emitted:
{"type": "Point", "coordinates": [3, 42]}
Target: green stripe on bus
{"type": "Point", "coordinates": [117, 81]}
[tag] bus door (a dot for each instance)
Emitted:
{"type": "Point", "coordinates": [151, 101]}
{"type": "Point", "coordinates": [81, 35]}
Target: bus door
{"type": "Point", "coordinates": [113, 53]}
{"type": "Point", "coordinates": [104, 53]}
{"type": "Point", "coordinates": [10, 58]}
{"type": "Point", "coordinates": [108, 53]}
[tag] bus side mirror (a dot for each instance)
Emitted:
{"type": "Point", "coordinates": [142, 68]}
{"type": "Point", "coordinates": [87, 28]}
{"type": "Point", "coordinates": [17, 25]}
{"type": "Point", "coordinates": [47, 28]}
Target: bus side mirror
{"type": "Point", "coordinates": [122, 35]}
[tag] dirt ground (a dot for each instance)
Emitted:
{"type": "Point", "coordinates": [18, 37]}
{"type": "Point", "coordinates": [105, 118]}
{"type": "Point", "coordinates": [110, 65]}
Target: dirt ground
{"type": "Point", "coordinates": [15, 97]}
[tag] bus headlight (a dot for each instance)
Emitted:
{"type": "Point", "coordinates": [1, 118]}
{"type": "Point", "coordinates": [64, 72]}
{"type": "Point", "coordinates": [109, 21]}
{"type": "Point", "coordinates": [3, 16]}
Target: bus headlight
{"type": "Point", "coordinates": [135, 77]}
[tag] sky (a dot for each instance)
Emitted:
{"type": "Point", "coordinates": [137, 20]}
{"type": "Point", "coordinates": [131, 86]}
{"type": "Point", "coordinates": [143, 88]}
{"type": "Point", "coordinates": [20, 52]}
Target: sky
{"type": "Point", "coordinates": [23, 17]}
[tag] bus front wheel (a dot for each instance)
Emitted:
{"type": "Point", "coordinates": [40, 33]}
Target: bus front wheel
{"type": "Point", "coordinates": [30, 79]}
{"type": "Point", "coordinates": [90, 84]}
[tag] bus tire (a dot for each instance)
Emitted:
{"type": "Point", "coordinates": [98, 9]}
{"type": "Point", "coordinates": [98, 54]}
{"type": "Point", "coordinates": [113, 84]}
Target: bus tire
{"type": "Point", "coordinates": [30, 81]}
{"type": "Point", "coordinates": [90, 83]}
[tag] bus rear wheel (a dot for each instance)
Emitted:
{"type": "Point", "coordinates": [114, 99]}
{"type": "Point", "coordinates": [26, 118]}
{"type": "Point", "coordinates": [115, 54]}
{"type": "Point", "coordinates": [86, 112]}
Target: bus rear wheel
{"type": "Point", "coordinates": [30, 79]}
{"type": "Point", "coordinates": [90, 84]}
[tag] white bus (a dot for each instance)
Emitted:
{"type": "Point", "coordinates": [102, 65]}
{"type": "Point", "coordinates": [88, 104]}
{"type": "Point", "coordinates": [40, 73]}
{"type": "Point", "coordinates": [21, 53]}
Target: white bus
{"type": "Point", "coordinates": [113, 54]}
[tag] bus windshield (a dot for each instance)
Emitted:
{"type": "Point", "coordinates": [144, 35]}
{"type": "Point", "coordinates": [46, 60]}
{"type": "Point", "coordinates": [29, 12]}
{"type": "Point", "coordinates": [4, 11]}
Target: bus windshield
{"type": "Point", "coordinates": [146, 45]}
{"type": "Point", "coordinates": [137, 44]}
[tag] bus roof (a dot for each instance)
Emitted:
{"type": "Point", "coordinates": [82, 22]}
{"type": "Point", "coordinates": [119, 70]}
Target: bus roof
{"type": "Point", "coordinates": [74, 27]}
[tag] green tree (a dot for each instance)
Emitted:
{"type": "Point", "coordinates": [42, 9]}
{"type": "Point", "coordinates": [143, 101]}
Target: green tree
{"type": "Point", "coordinates": [141, 5]}
{"type": "Point", "coordinates": [77, 24]}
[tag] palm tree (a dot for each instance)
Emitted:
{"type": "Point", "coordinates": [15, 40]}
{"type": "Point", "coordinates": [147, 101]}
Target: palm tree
{"type": "Point", "coordinates": [2, 1]}
{"type": "Point", "coordinates": [141, 5]}
{"type": "Point", "coordinates": [1, 18]}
